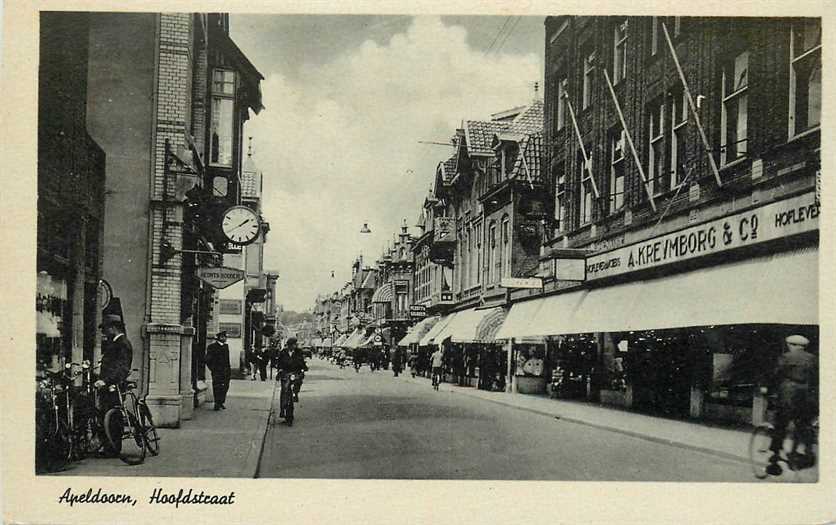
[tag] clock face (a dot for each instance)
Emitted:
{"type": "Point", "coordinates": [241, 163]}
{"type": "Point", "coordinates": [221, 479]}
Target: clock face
{"type": "Point", "coordinates": [241, 225]}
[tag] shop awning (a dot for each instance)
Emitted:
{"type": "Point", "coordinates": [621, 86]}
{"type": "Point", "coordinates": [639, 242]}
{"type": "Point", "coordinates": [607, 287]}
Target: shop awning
{"type": "Point", "coordinates": [779, 288]}
{"type": "Point", "coordinates": [383, 294]}
{"type": "Point", "coordinates": [340, 340]}
{"type": "Point", "coordinates": [519, 317]}
{"type": "Point", "coordinates": [462, 328]}
{"type": "Point", "coordinates": [490, 324]}
{"type": "Point", "coordinates": [418, 331]}
{"type": "Point", "coordinates": [429, 337]}
{"type": "Point", "coordinates": [325, 342]}
{"type": "Point", "coordinates": [354, 339]}
{"type": "Point", "coordinates": [315, 342]}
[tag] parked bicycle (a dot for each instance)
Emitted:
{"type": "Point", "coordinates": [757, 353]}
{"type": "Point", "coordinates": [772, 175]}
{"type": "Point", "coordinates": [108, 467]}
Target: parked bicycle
{"type": "Point", "coordinates": [129, 426]}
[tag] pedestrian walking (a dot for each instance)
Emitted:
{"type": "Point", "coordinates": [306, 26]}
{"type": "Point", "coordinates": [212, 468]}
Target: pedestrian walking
{"type": "Point", "coordinates": [397, 361]}
{"type": "Point", "coordinates": [217, 360]}
{"type": "Point", "coordinates": [261, 359]}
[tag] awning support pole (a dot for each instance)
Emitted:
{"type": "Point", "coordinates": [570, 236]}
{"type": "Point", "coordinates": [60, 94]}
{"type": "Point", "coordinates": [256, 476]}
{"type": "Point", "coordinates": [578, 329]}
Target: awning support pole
{"type": "Point", "coordinates": [692, 106]}
{"type": "Point", "coordinates": [630, 141]}
{"type": "Point", "coordinates": [583, 148]}
{"type": "Point", "coordinates": [511, 383]}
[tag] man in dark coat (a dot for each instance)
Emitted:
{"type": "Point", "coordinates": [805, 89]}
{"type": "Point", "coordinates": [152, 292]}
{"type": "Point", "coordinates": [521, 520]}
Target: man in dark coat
{"type": "Point", "coordinates": [117, 355]}
{"type": "Point", "coordinates": [217, 360]}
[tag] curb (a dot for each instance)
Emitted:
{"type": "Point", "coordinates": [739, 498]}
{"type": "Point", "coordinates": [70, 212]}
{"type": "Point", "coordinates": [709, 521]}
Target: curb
{"type": "Point", "coordinates": [253, 464]}
{"type": "Point", "coordinates": [639, 435]}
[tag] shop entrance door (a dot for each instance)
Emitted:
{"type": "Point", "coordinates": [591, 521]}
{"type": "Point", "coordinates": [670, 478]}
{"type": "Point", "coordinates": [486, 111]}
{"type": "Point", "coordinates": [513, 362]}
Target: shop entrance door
{"type": "Point", "coordinates": [662, 376]}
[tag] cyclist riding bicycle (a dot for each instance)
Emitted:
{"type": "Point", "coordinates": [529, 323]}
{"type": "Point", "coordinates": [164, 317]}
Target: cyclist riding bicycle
{"type": "Point", "coordinates": [437, 361]}
{"type": "Point", "coordinates": [291, 360]}
{"type": "Point", "coordinates": [794, 383]}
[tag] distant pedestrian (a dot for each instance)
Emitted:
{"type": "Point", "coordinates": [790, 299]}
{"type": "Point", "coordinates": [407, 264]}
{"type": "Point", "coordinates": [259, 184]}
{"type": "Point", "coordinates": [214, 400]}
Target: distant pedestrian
{"type": "Point", "coordinates": [437, 363]}
{"type": "Point", "coordinates": [217, 360]}
{"type": "Point", "coordinates": [397, 361]}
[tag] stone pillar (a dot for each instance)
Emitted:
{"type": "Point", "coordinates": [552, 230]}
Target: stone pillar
{"type": "Point", "coordinates": [164, 398]}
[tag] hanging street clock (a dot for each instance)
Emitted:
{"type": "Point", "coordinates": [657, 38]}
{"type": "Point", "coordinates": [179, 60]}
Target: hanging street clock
{"type": "Point", "coordinates": [241, 225]}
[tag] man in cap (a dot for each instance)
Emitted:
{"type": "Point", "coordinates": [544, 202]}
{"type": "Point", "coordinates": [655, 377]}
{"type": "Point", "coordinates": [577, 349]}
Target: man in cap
{"type": "Point", "coordinates": [795, 381]}
{"type": "Point", "coordinates": [217, 360]}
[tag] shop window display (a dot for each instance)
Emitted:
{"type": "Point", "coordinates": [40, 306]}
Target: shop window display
{"type": "Point", "coordinates": [572, 363]}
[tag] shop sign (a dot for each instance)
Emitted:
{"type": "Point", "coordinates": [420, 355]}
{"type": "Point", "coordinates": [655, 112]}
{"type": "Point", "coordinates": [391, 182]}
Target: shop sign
{"type": "Point", "coordinates": [220, 277]}
{"type": "Point", "coordinates": [418, 311]}
{"type": "Point", "coordinates": [446, 296]}
{"type": "Point", "coordinates": [519, 282]}
{"type": "Point", "coordinates": [773, 221]}
{"type": "Point", "coordinates": [569, 269]}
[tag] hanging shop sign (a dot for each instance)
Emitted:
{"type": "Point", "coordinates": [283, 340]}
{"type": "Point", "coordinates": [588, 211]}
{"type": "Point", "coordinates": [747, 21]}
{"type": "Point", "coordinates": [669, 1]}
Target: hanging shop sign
{"type": "Point", "coordinates": [220, 277]}
{"type": "Point", "coordinates": [418, 311]}
{"type": "Point", "coordinates": [770, 222]}
{"type": "Point", "coordinates": [519, 282]}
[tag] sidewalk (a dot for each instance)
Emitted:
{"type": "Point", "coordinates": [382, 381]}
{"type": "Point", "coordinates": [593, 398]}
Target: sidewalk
{"type": "Point", "coordinates": [226, 443]}
{"type": "Point", "coordinates": [727, 443]}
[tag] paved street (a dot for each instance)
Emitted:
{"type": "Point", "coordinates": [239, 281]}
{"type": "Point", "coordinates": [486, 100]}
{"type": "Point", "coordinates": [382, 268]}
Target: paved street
{"type": "Point", "coordinates": [372, 425]}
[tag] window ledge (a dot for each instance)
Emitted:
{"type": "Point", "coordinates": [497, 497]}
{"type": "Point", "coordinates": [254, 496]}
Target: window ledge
{"type": "Point", "coordinates": [804, 134]}
{"type": "Point", "coordinates": [734, 163]}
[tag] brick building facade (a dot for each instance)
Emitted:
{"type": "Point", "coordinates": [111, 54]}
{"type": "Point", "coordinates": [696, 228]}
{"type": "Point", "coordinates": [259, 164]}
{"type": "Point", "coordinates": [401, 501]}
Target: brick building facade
{"type": "Point", "coordinates": [168, 95]}
{"type": "Point", "coordinates": [709, 187]}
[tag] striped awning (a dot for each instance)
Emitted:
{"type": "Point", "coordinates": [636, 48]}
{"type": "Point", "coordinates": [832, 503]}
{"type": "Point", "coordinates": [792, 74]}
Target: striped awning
{"type": "Point", "coordinates": [490, 325]}
{"type": "Point", "coordinates": [384, 294]}
{"type": "Point", "coordinates": [418, 331]}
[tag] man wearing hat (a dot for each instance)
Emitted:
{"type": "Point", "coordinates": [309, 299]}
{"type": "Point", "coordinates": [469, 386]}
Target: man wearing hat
{"type": "Point", "coordinates": [117, 356]}
{"type": "Point", "coordinates": [117, 352]}
{"type": "Point", "coordinates": [217, 360]}
{"type": "Point", "coordinates": [795, 380]}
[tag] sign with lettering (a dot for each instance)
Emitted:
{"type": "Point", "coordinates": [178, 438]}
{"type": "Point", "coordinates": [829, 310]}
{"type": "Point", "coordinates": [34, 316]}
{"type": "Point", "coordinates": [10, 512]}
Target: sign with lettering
{"type": "Point", "coordinates": [220, 277]}
{"type": "Point", "coordinates": [772, 221]}
{"type": "Point", "coordinates": [518, 282]}
{"type": "Point", "coordinates": [418, 311]}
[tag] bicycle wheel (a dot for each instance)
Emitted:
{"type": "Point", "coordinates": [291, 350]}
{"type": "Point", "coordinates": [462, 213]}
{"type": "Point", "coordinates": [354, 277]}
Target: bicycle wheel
{"type": "Point", "coordinates": [146, 422]}
{"type": "Point", "coordinates": [759, 452]}
{"type": "Point", "coordinates": [114, 426]}
{"type": "Point", "coordinates": [133, 442]}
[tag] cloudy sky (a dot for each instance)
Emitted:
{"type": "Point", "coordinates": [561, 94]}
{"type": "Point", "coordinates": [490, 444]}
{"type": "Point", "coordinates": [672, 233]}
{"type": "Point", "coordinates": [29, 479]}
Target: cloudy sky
{"type": "Point", "coordinates": [348, 99]}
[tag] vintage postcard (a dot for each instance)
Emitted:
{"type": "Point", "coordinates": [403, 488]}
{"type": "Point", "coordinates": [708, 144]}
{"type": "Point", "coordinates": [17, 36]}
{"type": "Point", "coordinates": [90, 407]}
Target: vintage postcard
{"type": "Point", "coordinates": [411, 263]}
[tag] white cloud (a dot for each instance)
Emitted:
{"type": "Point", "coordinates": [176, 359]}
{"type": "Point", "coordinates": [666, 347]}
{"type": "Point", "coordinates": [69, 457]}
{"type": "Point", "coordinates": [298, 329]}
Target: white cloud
{"type": "Point", "coordinates": [336, 144]}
